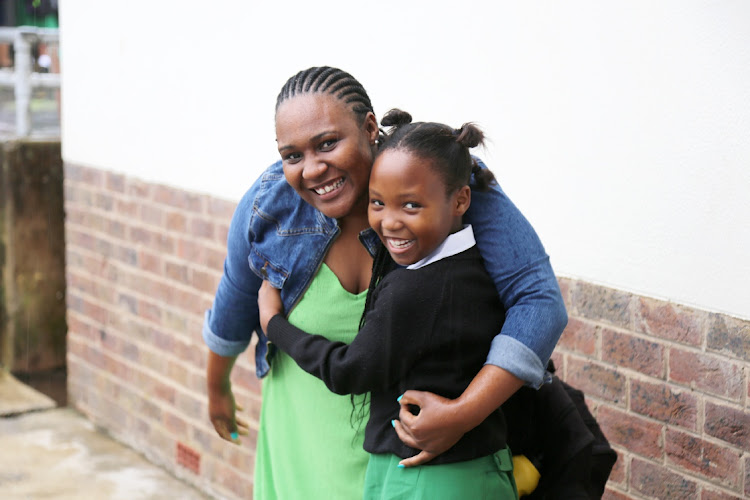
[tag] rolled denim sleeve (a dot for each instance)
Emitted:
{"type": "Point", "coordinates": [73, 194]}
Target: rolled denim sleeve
{"type": "Point", "coordinates": [516, 260]}
{"type": "Point", "coordinates": [229, 324]}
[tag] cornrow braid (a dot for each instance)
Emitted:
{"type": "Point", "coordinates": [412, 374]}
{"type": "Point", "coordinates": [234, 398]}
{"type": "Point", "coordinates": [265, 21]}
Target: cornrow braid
{"type": "Point", "coordinates": [330, 81]}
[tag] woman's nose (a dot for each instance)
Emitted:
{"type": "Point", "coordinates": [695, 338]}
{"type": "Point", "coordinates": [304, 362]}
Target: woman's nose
{"type": "Point", "coordinates": [313, 168]}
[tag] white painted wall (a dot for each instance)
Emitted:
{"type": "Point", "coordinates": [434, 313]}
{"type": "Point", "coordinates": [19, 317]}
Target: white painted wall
{"type": "Point", "coordinates": [622, 130]}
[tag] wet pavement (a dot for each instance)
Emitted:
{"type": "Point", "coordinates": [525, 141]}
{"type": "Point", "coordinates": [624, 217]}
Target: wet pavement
{"type": "Point", "coordinates": [50, 452]}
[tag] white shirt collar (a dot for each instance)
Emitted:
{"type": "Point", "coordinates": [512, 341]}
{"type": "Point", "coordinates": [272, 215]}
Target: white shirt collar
{"type": "Point", "coordinates": [455, 243]}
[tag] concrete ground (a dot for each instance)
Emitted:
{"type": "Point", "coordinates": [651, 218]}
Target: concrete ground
{"type": "Point", "coordinates": [48, 452]}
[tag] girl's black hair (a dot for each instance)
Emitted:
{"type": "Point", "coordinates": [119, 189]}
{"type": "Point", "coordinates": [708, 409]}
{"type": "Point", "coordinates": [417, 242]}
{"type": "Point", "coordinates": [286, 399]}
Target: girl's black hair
{"type": "Point", "coordinates": [331, 81]}
{"type": "Point", "coordinates": [445, 147]}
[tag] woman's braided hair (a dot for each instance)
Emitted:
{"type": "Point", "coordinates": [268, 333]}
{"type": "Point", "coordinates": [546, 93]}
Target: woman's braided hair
{"type": "Point", "coordinates": [331, 81]}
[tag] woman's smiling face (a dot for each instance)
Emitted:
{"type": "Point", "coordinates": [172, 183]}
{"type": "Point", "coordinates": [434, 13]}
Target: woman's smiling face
{"type": "Point", "coordinates": [327, 153]}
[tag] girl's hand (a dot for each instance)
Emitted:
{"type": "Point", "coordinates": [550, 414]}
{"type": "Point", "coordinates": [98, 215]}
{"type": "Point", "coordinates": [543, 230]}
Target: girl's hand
{"type": "Point", "coordinates": [269, 304]}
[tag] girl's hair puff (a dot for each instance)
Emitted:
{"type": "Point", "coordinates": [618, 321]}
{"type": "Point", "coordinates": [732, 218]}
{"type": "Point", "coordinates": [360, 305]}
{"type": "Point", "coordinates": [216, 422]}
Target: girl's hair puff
{"type": "Point", "coordinates": [445, 147]}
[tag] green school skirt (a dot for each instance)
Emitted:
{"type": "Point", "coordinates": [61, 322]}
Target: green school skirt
{"type": "Point", "coordinates": [489, 477]}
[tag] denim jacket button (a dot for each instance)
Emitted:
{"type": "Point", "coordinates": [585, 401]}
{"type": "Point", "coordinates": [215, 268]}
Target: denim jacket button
{"type": "Point", "coordinates": [263, 270]}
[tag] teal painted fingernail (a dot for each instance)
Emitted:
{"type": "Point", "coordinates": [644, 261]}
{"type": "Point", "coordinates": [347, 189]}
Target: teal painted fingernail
{"type": "Point", "coordinates": [233, 436]}
{"type": "Point", "coordinates": [393, 423]}
{"type": "Point", "coordinates": [400, 466]}
{"type": "Point", "coordinates": [399, 398]}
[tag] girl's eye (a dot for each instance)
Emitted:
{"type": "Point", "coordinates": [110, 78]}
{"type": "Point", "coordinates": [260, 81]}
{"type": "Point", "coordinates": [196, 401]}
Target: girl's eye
{"type": "Point", "coordinates": [412, 206]}
{"type": "Point", "coordinates": [328, 145]}
{"type": "Point", "coordinates": [376, 203]}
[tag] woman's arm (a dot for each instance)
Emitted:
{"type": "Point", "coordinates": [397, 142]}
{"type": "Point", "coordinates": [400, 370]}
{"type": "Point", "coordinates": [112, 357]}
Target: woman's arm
{"type": "Point", "coordinates": [442, 422]}
{"type": "Point", "coordinates": [535, 318]}
{"type": "Point", "coordinates": [221, 405]}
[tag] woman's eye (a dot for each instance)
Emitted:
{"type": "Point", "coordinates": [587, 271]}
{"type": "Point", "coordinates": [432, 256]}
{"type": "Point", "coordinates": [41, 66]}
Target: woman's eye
{"type": "Point", "coordinates": [328, 145]}
{"type": "Point", "coordinates": [292, 157]}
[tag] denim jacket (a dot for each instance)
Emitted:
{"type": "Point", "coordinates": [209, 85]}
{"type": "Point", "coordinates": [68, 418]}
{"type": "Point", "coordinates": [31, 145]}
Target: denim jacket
{"type": "Point", "coordinates": [275, 235]}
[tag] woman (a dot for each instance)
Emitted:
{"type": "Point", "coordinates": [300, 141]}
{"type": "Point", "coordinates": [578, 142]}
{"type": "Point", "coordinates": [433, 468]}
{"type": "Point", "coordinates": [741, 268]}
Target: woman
{"type": "Point", "coordinates": [304, 221]}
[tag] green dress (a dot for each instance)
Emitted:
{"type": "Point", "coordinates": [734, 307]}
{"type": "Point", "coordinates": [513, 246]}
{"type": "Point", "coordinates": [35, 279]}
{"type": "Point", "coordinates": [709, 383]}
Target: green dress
{"type": "Point", "coordinates": [308, 445]}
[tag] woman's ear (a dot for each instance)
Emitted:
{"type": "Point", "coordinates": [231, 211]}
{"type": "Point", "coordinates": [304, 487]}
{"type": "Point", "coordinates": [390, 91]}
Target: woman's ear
{"type": "Point", "coordinates": [370, 127]}
{"type": "Point", "coordinates": [463, 200]}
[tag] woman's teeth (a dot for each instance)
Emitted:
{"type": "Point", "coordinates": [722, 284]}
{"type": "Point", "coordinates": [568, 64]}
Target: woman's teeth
{"type": "Point", "coordinates": [330, 187]}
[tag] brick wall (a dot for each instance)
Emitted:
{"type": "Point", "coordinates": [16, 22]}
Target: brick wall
{"type": "Point", "coordinates": [669, 384]}
{"type": "Point", "coordinates": [669, 387]}
{"type": "Point", "coordinates": [143, 262]}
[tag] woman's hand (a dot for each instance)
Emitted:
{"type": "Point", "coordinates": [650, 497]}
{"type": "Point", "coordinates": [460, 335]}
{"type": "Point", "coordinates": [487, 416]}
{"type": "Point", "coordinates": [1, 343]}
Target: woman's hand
{"type": "Point", "coordinates": [442, 422]}
{"type": "Point", "coordinates": [221, 404]}
{"type": "Point", "coordinates": [434, 430]}
{"type": "Point", "coordinates": [269, 304]}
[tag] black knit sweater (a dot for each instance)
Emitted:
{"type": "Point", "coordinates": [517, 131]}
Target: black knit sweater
{"type": "Point", "coordinates": [427, 329]}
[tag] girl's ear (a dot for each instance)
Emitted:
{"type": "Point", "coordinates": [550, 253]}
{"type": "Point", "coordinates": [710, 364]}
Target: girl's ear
{"type": "Point", "coordinates": [463, 200]}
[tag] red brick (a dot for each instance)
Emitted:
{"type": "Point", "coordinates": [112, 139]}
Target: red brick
{"type": "Point", "coordinates": [175, 424]}
{"type": "Point", "coordinates": [728, 423]}
{"type": "Point", "coordinates": [138, 189]}
{"type": "Point", "coordinates": [579, 336]}
{"type": "Point", "coordinates": [116, 229]}
{"type": "Point", "coordinates": [703, 458]}
{"type": "Point", "coordinates": [747, 476]}
{"type": "Point", "coordinates": [634, 433]}
{"type": "Point", "coordinates": [148, 310]}
{"type": "Point", "coordinates": [599, 303]}
{"type": "Point", "coordinates": [619, 470]}
{"type": "Point", "coordinates": [712, 374]}
{"type": "Point", "coordinates": [222, 233]}
{"type": "Point", "coordinates": [717, 495]}
{"type": "Point", "coordinates": [176, 221]}
{"type": "Point", "coordinates": [104, 201]}
{"type": "Point", "coordinates": [612, 494]}
{"type": "Point", "coordinates": [237, 483]}
{"type": "Point", "coordinates": [729, 335]}
{"type": "Point", "coordinates": [83, 175]}
{"type": "Point", "coordinates": [214, 259]}
{"type": "Point", "coordinates": [153, 240]}
{"type": "Point", "coordinates": [558, 359]}
{"type": "Point", "coordinates": [628, 351]}
{"type": "Point", "coordinates": [664, 403]}
{"type": "Point", "coordinates": [150, 262]}
{"type": "Point", "coordinates": [202, 228]}
{"type": "Point", "coordinates": [115, 182]}
{"type": "Point", "coordinates": [670, 321]}
{"type": "Point", "coordinates": [126, 208]}
{"type": "Point", "coordinates": [596, 380]}
{"type": "Point", "coordinates": [177, 198]}
{"type": "Point", "coordinates": [205, 282]}
{"type": "Point", "coordinates": [655, 481]}
{"type": "Point", "coordinates": [152, 215]}
{"type": "Point", "coordinates": [565, 285]}
{"type": "Point", "coordinates": [220, 209]}
{"type": "Point", "coordinates": [176, 271]}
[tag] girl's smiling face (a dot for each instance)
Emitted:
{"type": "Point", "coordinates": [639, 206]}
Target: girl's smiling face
{"type": "Point", "coordinates": [327, 154]}
{"type": "Point", "coordinates": [409, 208]}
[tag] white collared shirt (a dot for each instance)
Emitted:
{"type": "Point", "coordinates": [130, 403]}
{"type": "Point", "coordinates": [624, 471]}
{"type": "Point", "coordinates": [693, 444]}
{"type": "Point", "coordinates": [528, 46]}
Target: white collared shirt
{"type": "Point", "coordinates": [455, 243]}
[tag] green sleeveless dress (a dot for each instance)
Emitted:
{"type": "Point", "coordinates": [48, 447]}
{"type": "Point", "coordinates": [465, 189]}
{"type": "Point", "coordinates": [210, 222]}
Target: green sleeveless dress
{"type": "Point", "coordinates": [308, 446]}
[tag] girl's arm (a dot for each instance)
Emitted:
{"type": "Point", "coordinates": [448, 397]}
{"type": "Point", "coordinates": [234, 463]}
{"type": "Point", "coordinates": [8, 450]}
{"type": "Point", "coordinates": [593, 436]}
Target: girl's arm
{"type": "Point", "coordinates": [377, 357]}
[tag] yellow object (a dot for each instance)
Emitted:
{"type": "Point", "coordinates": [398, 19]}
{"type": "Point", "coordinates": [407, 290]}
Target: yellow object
{"type": "Point", "coordinates": [525, 474]}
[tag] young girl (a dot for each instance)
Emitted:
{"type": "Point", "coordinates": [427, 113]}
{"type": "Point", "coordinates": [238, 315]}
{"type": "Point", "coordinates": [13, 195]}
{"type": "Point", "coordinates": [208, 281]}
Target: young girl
{"type": "Point", "coordinates": [432, 311]}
